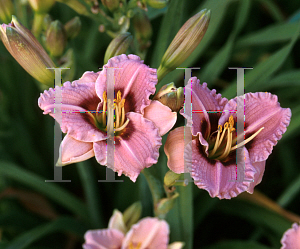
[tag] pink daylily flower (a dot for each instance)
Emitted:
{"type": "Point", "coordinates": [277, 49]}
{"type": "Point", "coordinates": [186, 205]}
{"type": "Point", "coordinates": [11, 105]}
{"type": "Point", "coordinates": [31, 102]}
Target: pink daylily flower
{"type": "Point", "coordinates": [291, 238]}
{"type": "Point", "coordinates": [139, 122]}
{"type": "Point", "coordinates": [211, 155]}
{"type": "Point", "coordinates": [150, 233]}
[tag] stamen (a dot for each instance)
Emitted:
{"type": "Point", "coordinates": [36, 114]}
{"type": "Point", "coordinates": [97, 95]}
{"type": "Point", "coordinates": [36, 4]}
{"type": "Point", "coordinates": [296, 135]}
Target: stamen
{"type": "Point", "coordinates": [117, 115]}
{"type": "Point", "coordinates": [123, 111]}
{"type": "Point", "coordinates": [104, 106]}
{"type": "Point", "coordinates": [119, 96]}
{"type": "Point", "coordinates": [123, 126]}
{"type": "Point", "coordinates": [228, 145]}
{"type": "Point", "coordinates": [217, 140]}
{"type": "Point", "coordinates": [247, 140]}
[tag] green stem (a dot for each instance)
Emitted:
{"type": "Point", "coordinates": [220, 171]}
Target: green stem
{"type": "Point", "coordinates": [38, 24]}
{"type": "Point", "coordinates": [89, 183]}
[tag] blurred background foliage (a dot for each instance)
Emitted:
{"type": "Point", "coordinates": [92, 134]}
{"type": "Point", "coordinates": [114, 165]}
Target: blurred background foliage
{"type": "Point", "coordinates": [263, 34]}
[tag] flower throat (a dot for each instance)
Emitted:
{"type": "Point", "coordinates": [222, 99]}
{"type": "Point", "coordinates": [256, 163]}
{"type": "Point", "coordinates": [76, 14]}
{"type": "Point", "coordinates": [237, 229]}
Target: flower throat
{"type": "Point", "coordinates": [104, 120]}
{"type": "Point", "coordinates": [220, 148]}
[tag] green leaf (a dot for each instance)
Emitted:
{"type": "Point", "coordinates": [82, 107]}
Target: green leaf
{"type": "Point", "coordinates": [272, 34]}
{"type": "Point", "coordinates": [287, 78]}
{"type": "Point", "coordinates": [91, 191]}
{"type": "Point", "coordinates": [237, 245]}
{"type": "Point", "coordinates": [49, 189]}
{"type": "Point", "coordinates": [274, 10]}
{"type": "Point", "coordinates": [63, 224]}
{"type": "Point", "coordinates": [214, 68]}
{"type": "Point", "coordinates": [257, 215]}
{"type": "Point", "coordinates": [180, 218]}
{"type": "Point", "coordinates": [263, 70]}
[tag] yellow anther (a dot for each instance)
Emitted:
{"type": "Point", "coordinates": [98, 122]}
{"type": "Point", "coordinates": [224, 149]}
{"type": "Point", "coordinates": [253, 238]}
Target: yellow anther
{"type": "Point", "coordinates": [231, 121]}
{"type": "Point", "coordinates": [220, 128]}
{"type": "Point", "coordinates": [122, 103]}
{"type": "Point", "coordinates": [119, 96]}
{"type": "Point", "coordinates": [226, 125]}
{"type": "Point", "coordinates": [104, 96]}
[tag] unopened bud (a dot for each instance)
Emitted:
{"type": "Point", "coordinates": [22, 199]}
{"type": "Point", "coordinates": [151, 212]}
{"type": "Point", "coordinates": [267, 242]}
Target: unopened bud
{"type": "Point", "coordinates": [143, 28]}
{"type": "Point", "coordinates": [158, 4]}
{"type": "Point", "coordinates": [27, 51]}
{"type": "Point", "coordinates": [170, 178]}
{"type": "Point", "coordinates": [6, 10]}
{"type": "Point", "coordinates": [171, 96]}
{"type": "Point", "coordinates": [56, 38]}
{"type": "Point", "coordinates": [72, 27]}
{"type": "Point", "coordinates": [184, 43]}
{"type": "Point", "coordinates": [165, 205]}
{"type": "Point", "coordinates": [117, 221]}
{"type": "Point", "coordinates": [112, 5]}
{"type": "Point", "coordinates": [132, 214]}
{"type": "Point", "coordinates": [41, 6]}
{"type": "Point", "coordinates": [117, 46]}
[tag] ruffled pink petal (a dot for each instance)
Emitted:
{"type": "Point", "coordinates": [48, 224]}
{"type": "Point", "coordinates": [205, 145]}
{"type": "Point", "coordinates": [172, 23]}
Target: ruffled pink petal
{"type": "Point", "coordinates": [261, 110]}
{"type": "Point", "coordinates": [215, 177]}
{"type": "Point", "coordinates": [260, 169]}
{"type": "Point", "coordinates": [77, 100]}
{"type": "Point", "coordinates": [73, 151]}
{"type": "Point", "coordinates": [135, 80]}
{"type": "Point", "coordinates": [291, 238]}
{"type": "Point", "coordinates": [150, 233]}
{"type": "Point", "coordinates": [206, 105]}
{"type": "Point", "coordinates": [103, 239]}
{"type": "Point", "coordinates": [137, 148]}
{"type": "Point", "coordinates": [174, 149]}
{"type": "Point", "coordinates": [88, 76]}
{"type": "Point", "coordinates": [161, 115]}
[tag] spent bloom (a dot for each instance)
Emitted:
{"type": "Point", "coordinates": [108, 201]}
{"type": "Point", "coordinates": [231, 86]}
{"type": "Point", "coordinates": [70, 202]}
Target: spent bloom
{"type": "Point", "coordinates": [88, 116]}
{"type": "Point", "coordinates": [211, 157]}
{"type": "Point", "coordinates": [150, 233]}
{"type": "Point", "coordinates": [291, 238]}
{"type": "Point", "coordinates": [27, 51]}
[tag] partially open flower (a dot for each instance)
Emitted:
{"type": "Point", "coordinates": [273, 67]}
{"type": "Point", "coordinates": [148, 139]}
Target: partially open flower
{"type": "Point", "coordinates": [211, 156]}
{"type": "Point", "coordinates": [88, 116]}
{"type": "Point", "coordinates": [27, 51]}
{"type": "Point", "coordinates": [150, 233]}
{"type": "Point", "coordinates": [291, 238]}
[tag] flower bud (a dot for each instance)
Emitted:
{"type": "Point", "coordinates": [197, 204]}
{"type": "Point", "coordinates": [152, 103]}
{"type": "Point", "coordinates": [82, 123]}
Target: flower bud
{"type": "Point", "coordinates": [41, 6]}
{"type": "Point", "coordinates": [111, 4]}
{"type": "Point", "coordinates": [72, 27]}
{"type": "Point", "coordinates": [132, 214]}
{"type": "Point", "coordinates": [158, 4]}
{"type": "Point", "coordinates": [143, 28]}
{"type": "Point", "coordinates": [56, 39]}
{"type": "Point", "coordinates": [170, 178]}
{"type": "Point", "coordinates": [170, 96]}
{"type": "Point", "coordinates": [184, 43]}
{"type": "Point", "coordinates": [117, 46]}
{"type": "Point", "coordinates": [6, 10]}
{"type": "Point", "coordinates": [165, 205]}
{"type": "Point", "coordinates": [27, 51]}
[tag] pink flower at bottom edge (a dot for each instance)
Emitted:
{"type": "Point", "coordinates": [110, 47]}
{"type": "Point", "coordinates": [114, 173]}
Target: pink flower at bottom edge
{"type": "Point", "coordinates": [291, 238]}
{"type": "Point", "coordinates": [211, 155]}
{"type": "Point", "coordinates": [139, 122]}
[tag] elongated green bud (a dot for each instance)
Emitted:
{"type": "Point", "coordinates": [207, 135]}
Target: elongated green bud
{"type": "Point", "coordinates": [132, 214]}
{"type": "Point", "coordinates": [112, 5]}
{"type": "Point", "coordinates": [6, 10]}
{"type": "Point", "coordinates": [27, 51]}
{"type": "Point", "coordinates": [117, 46]}
{"type": "Point", "coordinates": [184, 43]}
{"type": "Point", "coordinates": [72, 27]}
{"type": "Point", "coordinates": [56, 38]}
{"type": "Point", "coordinates": [171, 96]}
{"type": "Point", "coordinates": [158, 4]}
{"type": "Point", "coordinates": [41, 6]}
{"type": "Point", "coordinates": [143, 28]}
